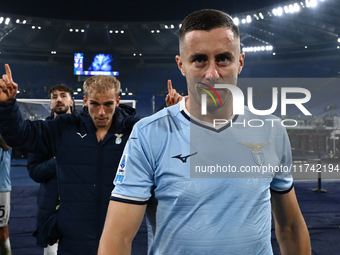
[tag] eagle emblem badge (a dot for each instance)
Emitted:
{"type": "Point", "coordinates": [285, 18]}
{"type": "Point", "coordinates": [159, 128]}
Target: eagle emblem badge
{"type": "Point", "coordinates": [257, 152]}
{"type": "Point", "coordinates": [118, 138]}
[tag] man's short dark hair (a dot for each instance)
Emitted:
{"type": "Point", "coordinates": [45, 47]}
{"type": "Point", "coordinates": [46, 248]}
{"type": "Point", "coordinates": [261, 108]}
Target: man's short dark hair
{"type": "Point", "coordinates": [60, 87]}
{"type": "Point", "coordinates": [207, 20]}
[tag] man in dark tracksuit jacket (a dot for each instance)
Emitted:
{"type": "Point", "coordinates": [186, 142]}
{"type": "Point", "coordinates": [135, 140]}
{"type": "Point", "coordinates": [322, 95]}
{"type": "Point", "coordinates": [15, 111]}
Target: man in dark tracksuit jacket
{"type": "Point", "coordinates": [42, 168]}
{"type": "Point", "coordinates": [87, 147]}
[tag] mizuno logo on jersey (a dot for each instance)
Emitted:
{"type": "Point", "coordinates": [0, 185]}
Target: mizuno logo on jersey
{"type": "Point", "coordinates": [184, 158]}
{"type": "Point", "coordinates": [257, 153]}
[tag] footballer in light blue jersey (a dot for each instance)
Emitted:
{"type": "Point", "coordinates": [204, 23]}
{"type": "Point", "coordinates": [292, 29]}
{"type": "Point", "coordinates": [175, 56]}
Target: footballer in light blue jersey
{"type": "Point", "coordinates": [191, 210]}
{"type": "Point", "coordinates": [206, 189]}
{"type": "Point", "coordinates": [5, 165]}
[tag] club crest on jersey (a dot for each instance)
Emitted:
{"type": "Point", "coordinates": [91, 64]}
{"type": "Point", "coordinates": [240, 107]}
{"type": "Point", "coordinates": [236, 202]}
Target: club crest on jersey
{"type": "Point", "coordinates": [118, 138]}
{"type": "Point", "coordinates": [257, 153]}
{"type": "Point", "coordinates": [121, 169]}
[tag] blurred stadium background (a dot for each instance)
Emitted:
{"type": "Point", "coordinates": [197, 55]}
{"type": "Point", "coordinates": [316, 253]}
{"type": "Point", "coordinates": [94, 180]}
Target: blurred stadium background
{"type": "Point", "coordinates": [284, 41]}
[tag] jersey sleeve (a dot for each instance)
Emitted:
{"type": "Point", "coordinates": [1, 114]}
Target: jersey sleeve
{"type": "Point", "coordinates": [283, 179]}
{"type": "Point", "coordinates": [134, 179]}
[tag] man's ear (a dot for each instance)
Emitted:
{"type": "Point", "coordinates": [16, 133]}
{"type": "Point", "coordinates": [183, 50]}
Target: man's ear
{"type": "Point", "coordinates": [117, 101]}
{"type": "Point", "coordinates": [85, 100]}
{"type": "Point", "coordinates": [180, 64]}
{"type": "Point", "coordinates": [241, 62]}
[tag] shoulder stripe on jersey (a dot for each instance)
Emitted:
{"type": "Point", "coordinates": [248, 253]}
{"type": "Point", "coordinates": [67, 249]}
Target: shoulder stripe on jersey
{"type": "Point", "coordinates": [128, 201]}
{"type": "Point", "coordinates": [282, 191]}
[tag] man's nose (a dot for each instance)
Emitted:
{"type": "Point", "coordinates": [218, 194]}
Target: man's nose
{"type": "Point", "coordinates": [212, 73]}
{"type": "Point", "coordinates": [101, 110]}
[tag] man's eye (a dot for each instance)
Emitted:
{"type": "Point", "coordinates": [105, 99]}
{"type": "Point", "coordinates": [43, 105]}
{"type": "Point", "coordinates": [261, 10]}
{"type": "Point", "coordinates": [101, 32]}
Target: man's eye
{"type": "Point", "coordinates": [224, 61]}
{"type": "Point", "coordinates": [199, 60]}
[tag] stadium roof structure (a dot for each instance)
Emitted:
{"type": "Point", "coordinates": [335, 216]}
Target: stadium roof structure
{"type": "Point", "coordinates": [291, 28]}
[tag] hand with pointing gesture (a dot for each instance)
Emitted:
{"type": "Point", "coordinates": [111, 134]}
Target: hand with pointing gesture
{"type": "Point", "coordinates": [8, 88]}
{"type": "Point", "coordinates": [172, 97]}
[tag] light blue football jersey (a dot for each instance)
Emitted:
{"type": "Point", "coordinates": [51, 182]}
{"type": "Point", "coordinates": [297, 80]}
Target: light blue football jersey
{"type": "Point", "coordinates": [193, 211]}
{"type": "Point", "coordinates": [5, 165]}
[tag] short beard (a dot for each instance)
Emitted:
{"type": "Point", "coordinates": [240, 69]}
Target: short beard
{"type": "Point", "coordinates": [61, 112]}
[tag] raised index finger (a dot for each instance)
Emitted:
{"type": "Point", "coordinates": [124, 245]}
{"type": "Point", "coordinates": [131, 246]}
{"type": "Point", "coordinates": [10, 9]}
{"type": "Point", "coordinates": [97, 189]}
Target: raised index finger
{"type": "Point", "coordinates": [8, 72]}
{"type": "Point", "coordinates": [169, 86]}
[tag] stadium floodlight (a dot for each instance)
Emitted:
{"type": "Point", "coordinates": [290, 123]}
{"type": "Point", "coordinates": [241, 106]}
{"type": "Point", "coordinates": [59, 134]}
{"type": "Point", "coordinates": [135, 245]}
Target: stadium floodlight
{"type": "Point", "coordinates": [286, 9]}
{"type": "Point", "coordinates": [291, 8]}
{"type": "Point", "coordinates": [277, 11]}
{"type": "Point", "coordinates": [261, 15]}
{"type": "Point", "coordinates": [296, 7]}
{"type": "Point", "coordinates": [18, 21]}
{"type": "Point", "coordinates": [311, 3]}
{"type": "Point", "coordinates": [248, 19]}
{"type": "Point", "coordinates": [338, 40]}
{"type": "Point", "coordinates": [274, 11]}
{"type": "Point", "coordinates": [243, 21]}
{"type": "Point", "coordinates": [269, 48]}
{"type": "Point", "coordinates": [7, 20]}
{"type": "Point", "coordinates": [258, 48]}
{"type": "Point", "coordinates": [236, 21]}
{"type": "Point", "coordinates": [1, 20]}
